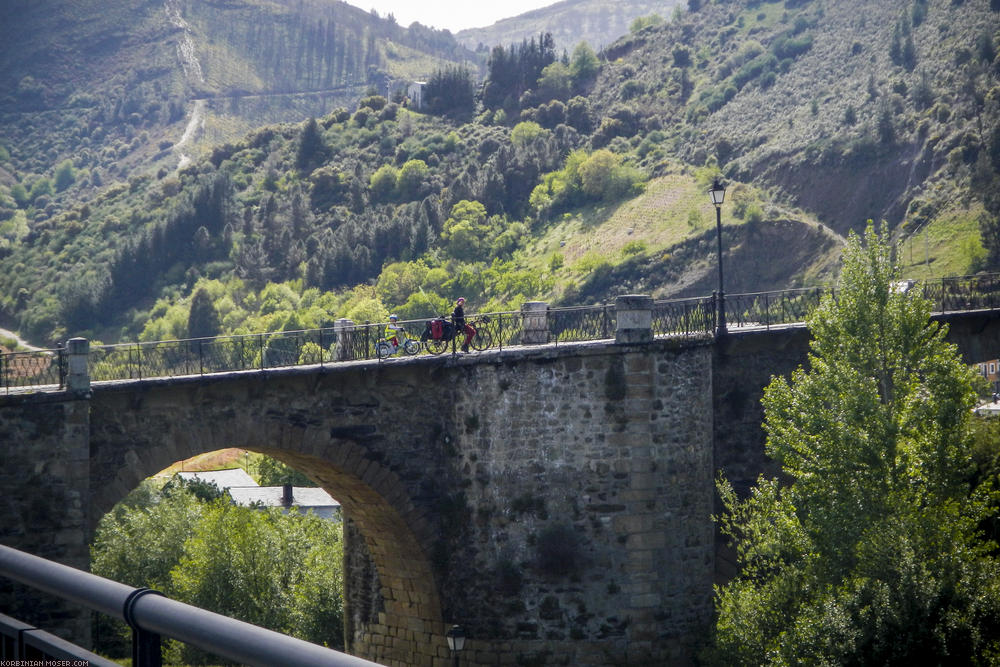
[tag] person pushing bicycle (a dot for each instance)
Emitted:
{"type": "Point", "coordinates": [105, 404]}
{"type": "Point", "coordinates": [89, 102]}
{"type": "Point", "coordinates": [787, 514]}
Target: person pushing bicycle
{"type": "Point", "coordinates": [458, 319]}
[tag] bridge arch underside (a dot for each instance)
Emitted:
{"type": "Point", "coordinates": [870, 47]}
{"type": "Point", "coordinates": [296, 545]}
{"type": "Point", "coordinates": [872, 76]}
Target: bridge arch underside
{"type": "Point", "coordinates": [327, 436]}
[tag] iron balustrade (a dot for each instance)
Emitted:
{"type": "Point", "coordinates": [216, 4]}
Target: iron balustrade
{"type": "Point", "coordinates": [766, 309]}
{"type": "Point", "coordinates": [581, 323]}
{"type": "Point", "coordinates": [152, 616]}
{"type": "Point", "coordinates": [33, 369]}
{"type": "Point", "coordinates": [685, 317]}
{"type": "Point", "coordinates": [46, 369]}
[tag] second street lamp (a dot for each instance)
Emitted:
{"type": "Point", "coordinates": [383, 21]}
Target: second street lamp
{"type": "Point", "coordinates": [718, 193]}
{"type": "Point", "coordinates": [456, 641]}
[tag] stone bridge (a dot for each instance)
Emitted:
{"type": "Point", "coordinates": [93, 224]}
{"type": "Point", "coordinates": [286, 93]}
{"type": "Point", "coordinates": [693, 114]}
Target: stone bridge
{"type": "Point", "coordinates": [555, 501]}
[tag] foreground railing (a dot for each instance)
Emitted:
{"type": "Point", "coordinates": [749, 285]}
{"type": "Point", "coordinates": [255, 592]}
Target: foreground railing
{"type": "Point", "coordinates": [347, 341]}
{"type": "Point", "coordinates": [151, 617]}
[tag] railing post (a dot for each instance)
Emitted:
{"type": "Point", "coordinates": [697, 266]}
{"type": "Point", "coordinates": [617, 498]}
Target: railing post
{"type": "Point", "coordinates": [145, 644]}
{"type": "Point", "coordinates": [343, 330]}
{"type": "Point", "coordinates": [634, 315]}
{"type": "Point", "coordinates": [62, 365]}
{"type": "Point", "coordinates": [535, 322]}
{"type": "Point", "coordinates": [78, 374]}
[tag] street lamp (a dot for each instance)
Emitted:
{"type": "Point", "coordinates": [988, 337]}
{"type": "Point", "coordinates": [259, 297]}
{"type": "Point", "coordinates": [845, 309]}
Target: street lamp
{"type": "Point", "coordinates": [456, 641]}
{"type": "Point", "coordinates": [718, 193]}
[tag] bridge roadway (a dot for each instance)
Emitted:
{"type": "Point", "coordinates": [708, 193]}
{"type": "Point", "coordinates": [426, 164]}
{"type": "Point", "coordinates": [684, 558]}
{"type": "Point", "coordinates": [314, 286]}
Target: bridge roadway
{"type": "Point", "coordinates": [553, 500]}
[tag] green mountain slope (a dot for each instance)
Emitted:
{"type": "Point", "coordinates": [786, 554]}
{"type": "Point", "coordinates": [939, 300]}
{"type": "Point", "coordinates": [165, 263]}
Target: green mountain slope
{"type": "Point", "coordinates": [570, 184]}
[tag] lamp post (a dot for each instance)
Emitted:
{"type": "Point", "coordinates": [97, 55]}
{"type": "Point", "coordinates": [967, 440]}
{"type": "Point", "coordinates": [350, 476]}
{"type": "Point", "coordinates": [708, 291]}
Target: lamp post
{"type": "Point", "coordinates": [718, 193]}
{"type": "Point", "coordinates": [456, 641]}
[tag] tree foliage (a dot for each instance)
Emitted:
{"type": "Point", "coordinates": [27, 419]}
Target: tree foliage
{"type": "Point", "coordinates": [450, 91]}
{"type": "Point", "coordinates": [873, 555]}
{"type": "Point", "coordinates": [203, 319]}
{"type": "Point", "coordinates": [279, 571]}
{"type": "Point", "coordinates": [514, 70]}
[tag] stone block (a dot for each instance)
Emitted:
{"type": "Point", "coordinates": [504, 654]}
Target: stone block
{"type": "Point", "coordinates": [634, 317]}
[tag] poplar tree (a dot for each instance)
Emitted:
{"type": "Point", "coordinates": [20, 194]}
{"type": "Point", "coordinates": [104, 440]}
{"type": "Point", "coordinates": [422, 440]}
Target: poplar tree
{"type": "Point", "coordinates": [873, 553]}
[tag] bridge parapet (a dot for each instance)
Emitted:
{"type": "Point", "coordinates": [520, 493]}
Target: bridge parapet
{"type": "Point", "coordinates": [535, 323]}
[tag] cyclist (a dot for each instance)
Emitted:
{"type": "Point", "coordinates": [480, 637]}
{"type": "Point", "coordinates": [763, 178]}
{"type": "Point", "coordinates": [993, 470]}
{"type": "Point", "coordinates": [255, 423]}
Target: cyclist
{"type": "Point", "coordinates": [393, 331]}
{"type": "Point", "coordinates": [458, 319]}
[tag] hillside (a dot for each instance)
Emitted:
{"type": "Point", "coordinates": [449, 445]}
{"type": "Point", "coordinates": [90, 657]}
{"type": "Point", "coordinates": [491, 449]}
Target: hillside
{"type": "Point", "coordinates": [570, 22]}
{"type": "Point", "coordinates": [850, 109]}
{"type": "Point", "coordinates": [569, 181]}
{"type": "Point", "coordinates": [116, 86]}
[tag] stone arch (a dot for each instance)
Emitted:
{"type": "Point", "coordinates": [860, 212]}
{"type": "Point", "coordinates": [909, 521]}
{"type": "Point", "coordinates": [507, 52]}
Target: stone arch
{"type": "Point", "coordinates": [337, 454]}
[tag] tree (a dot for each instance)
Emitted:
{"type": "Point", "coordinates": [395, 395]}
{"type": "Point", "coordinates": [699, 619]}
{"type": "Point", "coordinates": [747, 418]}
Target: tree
{"type": "Point", "coordinates": [65, 175]}
{"type": "Point", "coordinates": [203, 320]}
{"type": "Point", "coordinates": [466, 230]}
{"type": "Point", "coordinates": [312, 151]}
{"type": "Point", "coordinates": [554, 82]}
{"type": "Point", "coordinates": [584, 65]}
{"type": "Point", "coordinates": [281, 571]}
{"type": "Point", "coordinates": [873, 554]}
{"type": "Point", "coordinates": [383, 183]}
{"type": "Point", "coordinates": [411, 178]}
{"type": "Point", "coordinates": [450, 90]}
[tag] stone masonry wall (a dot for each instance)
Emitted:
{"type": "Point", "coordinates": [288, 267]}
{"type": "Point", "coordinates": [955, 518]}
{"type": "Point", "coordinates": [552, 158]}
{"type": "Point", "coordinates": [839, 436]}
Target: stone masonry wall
{"type": "Point", "coordinates": [585, 538]}
{"type": "Point", "coordinates": [44, 480]}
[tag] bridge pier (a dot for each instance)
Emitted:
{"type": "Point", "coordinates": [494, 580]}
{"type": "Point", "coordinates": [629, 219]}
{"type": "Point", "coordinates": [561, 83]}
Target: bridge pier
{"type": "Point", "coordinates": [45, 498]}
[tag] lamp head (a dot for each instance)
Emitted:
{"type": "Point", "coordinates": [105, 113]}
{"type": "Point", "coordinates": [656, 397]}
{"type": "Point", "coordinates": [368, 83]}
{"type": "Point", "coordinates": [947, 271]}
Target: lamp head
{"type": "Point", "coordinates": [717, 192]}
{"type": "Point", "coordinates": [456, 638]}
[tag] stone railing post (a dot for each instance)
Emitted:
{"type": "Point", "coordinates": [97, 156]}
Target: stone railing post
{"type": "Point", "coordinates": [77, 367]}
{"type": "Point", "coordinates": [634, 315]}
{"type": "Point", "coordinates": [344, 331]}
{"type": "Point", "coordinates": [535, 322]}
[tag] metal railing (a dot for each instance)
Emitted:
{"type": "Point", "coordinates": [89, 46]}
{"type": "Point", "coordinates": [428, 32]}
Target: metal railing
{"type": "Point", "coordinates": [766, 309]}
{"type": "Point", "coordinates": [686, 317]}
{"type": "Point", "coordinates": [36, 368]}
{"type": "Point", "coordinates": [151, 617]}
{"type": "Point", "coordinates": [679, 317]}
{"type": "Point", "coordinates": [581, 323]}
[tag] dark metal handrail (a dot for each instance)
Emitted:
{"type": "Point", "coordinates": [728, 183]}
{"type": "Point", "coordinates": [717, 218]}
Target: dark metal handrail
{"type": "Point", "coordinates": [155, 614]}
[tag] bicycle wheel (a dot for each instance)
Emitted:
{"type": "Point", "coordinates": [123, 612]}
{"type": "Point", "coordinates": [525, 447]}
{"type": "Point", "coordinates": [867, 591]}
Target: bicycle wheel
{"type": "Point", "coordinates": [383, 350]}
{"type": "Point", "coordinates": [482, 339]}
{"type": "Point", "coordinates": [411, 346]}
{"type": "Point", "coordinates": [436, 346]}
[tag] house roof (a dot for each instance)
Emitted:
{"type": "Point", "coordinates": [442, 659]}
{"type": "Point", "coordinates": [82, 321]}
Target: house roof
{"type": "Point", "coordinates": [224, 479]}
{"type": "Point", "coordinates": [304, 497]}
